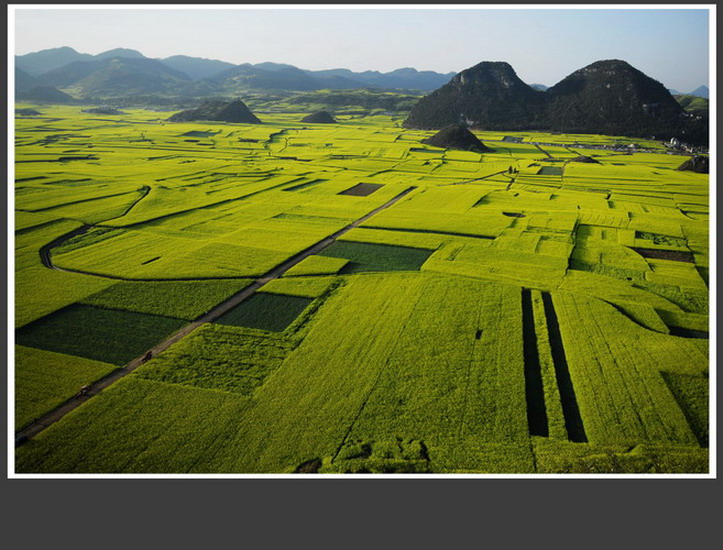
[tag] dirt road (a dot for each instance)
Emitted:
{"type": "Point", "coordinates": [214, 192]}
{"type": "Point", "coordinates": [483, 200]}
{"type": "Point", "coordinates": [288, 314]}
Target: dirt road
{"type": "Point", "coordinates": [59, 412]}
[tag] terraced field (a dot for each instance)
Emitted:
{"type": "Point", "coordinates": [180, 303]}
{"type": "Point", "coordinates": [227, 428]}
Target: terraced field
{"type": "Point", "coordinates": [389, 306]}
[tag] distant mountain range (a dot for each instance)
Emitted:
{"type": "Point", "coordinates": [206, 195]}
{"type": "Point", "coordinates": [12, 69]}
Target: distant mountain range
{"type": "Point", "coordinates": [693, 104]}
{"type": "Point", "coordinates": [114, 76]}
{"type": "Point", "coordinates": [606, 97]}
{"type": "Point", "coordinates": [45, 94]}
{"type": "Point", "coordinates": [700, 91]}
{"type": "Point", "coordinates": [122, 72]}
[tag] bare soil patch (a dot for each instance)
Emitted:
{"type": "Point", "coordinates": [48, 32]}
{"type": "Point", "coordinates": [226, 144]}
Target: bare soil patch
{"type": "Point", "coordinates": [674, 255]}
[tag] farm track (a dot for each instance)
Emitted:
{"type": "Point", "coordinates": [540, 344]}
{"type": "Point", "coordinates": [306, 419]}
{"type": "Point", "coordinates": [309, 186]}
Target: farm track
{"type": "Point", "coordinates": [186, 211]}
{"type": "Point", "coordinates": [542, 150]}
{"type": "Point", "coordinates": [572, 151]}
{"type": "Point", "coordinates": [144, 193]}
{"type": "Point", "coordinates": [31, 430]}
{"type": "Point", "coordinates": [476, 179]}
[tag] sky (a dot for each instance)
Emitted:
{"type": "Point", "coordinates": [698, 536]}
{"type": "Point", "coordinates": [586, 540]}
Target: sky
{"type": "Point", "coordinates": [542, 45]}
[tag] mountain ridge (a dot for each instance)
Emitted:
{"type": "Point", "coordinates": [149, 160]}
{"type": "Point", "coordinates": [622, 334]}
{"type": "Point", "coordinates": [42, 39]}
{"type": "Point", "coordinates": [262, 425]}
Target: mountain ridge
{"type": "Point", "coordinates": [262, 76]}
{"type": "Point", "coordinates": [606, 97]}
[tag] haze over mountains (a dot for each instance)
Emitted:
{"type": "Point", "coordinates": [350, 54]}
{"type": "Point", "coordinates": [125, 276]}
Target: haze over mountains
{"type": "Point", "coordinates": [124, 71]}
{"type": "Point", "coordinates": [222, 76]}
{"type": "Point", "coordinates": [700, 91]}
{"type": "Point", "coordinates": [606, 97]}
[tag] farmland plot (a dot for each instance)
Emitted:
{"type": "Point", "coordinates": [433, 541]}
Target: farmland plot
{"type": "Point", "coordinates": [513, 312]}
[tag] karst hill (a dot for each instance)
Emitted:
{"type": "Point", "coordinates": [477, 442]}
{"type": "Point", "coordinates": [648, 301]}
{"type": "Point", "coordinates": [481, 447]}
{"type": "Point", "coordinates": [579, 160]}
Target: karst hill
{"type": "Point", "coordinates": [613, 98]}
{"type": "Point", "coordinates": [320, 117]}
{"type": "Point", "coordinates": [489, 95]}
{"type": "Point", "coordinates": [457, 136]}
{"type": "Point", "coordinates": [607, 97]}
{"type": "Point", "coordinates": [699, 164]}
{"type": "Point", "coordinates": [219, 111]}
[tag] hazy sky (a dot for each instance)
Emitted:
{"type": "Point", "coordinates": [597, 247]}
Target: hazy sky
{"type": "Point", "coordinates": [543, 45]}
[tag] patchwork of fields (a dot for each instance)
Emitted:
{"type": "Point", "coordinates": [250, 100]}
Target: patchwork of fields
{"type": "Point", "coordinates": [507, 312]}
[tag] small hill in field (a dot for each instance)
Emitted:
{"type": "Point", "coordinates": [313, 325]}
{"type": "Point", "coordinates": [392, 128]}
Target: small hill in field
{"type": "Point", "coordinates": [457, 136]}
{"type": "Point", "coordinates": [585, 159]}
{"type": "Point", "coordinates": [698, 164]}
{"type": "Point", "coordinates": [321, 117]}
{"type": "Point", "coordinates": [219, 111]}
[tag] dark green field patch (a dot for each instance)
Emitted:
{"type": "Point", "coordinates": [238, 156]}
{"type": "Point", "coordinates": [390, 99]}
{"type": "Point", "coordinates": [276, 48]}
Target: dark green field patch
{"type": "Point", "coordinates": [272, 312]}
{"type": "Point", "coordinates": [106, 335]}
{"type": "Point", "coordinates": [219, 357]}
{"type": "Point", "coordinates": [305, 185]}
{"type": "Point", "coordinates": [420, 150]}
{"type": "Point", "coordinates": [550, 171]}
{"type": "Point", "coordinates": [180, 299]}
{"type": "Point", "coordinates": [673, 255]}
{"type": "Point", "coordinates": [376, 257]}
{"type": "Point", "coordinates": [361, 189]}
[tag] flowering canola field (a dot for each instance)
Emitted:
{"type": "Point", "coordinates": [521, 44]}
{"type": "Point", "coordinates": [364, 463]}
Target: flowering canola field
{"type": "Point", "coordinates": [515, 312]}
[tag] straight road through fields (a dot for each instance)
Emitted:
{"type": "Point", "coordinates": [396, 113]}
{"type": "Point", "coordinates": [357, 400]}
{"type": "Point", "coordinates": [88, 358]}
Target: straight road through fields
{"type": "Point", "coordinates": [59, 412]}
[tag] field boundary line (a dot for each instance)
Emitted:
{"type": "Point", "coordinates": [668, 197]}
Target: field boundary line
{"type": "Point", "coordinates": [37, 426]}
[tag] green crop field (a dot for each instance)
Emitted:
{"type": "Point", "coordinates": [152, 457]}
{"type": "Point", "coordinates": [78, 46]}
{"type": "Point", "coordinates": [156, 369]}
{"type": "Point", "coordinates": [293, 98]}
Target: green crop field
{"type": "Point", "coordinates": [376, 257]}
{"type": "Point", "coordinates": [44, 380]}
{"type": "Point", "coordinates": [386, 306]}
{"type": "Point", "coordinates": [108, 335]}
{"type": "Point", "coordinates": [181, 299]}
{"type": "Point", "coordinates": [270, 312]}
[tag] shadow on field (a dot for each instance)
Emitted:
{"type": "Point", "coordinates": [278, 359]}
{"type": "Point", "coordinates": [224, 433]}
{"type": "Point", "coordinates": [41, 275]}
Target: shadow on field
{"type": "Point", "coordinates": [570, 409]}
{"type": "Point", "coordinates": [534, 392]}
